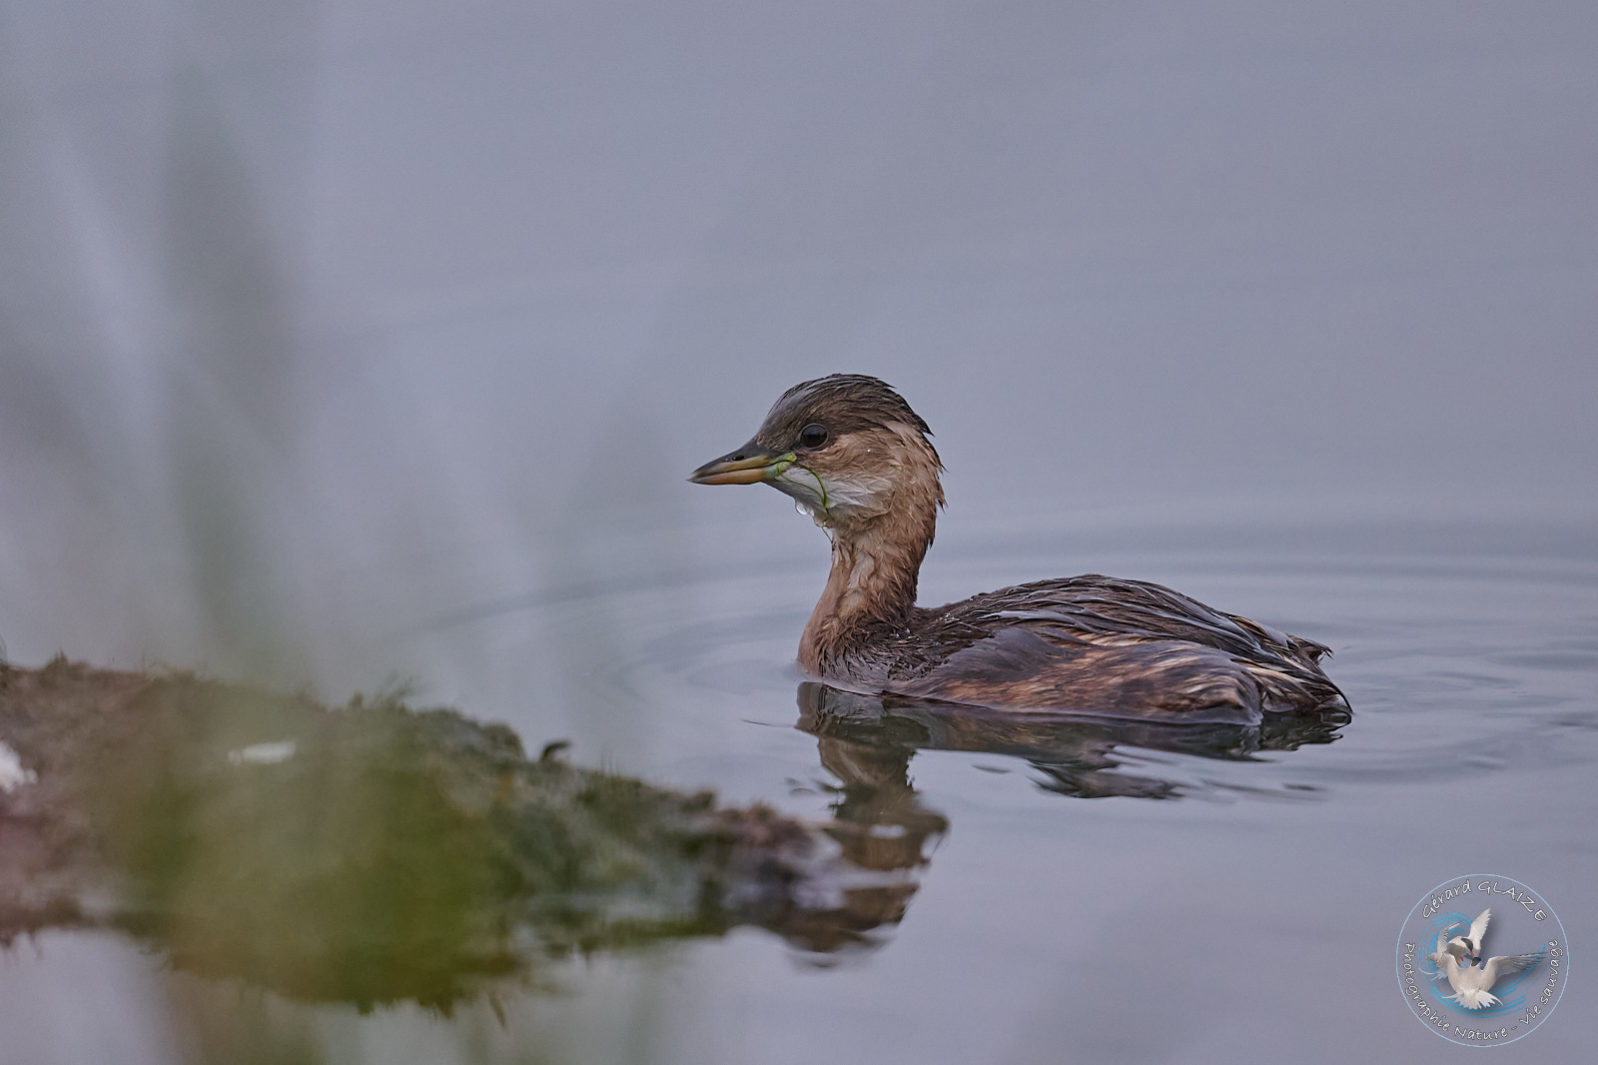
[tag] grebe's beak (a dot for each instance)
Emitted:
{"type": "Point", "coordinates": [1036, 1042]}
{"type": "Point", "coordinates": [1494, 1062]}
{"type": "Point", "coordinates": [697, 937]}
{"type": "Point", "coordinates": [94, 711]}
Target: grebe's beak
{"type": "Point", "coordinates": [750, 464]}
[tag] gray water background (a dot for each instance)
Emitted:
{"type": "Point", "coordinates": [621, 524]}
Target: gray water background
{"type": "Point", "coordinates": [342, 342]}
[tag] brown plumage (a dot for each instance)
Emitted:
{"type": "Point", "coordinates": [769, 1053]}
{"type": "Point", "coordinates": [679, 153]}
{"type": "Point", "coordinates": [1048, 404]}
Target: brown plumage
{"type": "Point", "coordinates": [854, 454]}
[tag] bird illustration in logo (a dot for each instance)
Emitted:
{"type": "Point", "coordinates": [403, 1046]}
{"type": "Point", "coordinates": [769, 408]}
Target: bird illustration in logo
{"type": "Point", "coordinates": [1472, 984]}
{"type": "Point", "coordinates": [1471, 942]}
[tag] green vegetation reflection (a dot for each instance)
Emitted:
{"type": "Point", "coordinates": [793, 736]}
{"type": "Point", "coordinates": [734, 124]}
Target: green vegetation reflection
{"type": "Point", "coordinates": [373, 853]}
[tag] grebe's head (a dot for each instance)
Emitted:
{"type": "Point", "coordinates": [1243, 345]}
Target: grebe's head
{"type": "Point", "coordinates": [848, 448]}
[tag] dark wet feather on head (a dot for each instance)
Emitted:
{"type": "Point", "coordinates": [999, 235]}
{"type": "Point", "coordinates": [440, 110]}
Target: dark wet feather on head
{"type": "Point", "coordinates": [844, 403]}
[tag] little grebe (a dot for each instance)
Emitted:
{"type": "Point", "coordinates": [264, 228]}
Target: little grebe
{"type": "Point", "coordinates": [854, 454]}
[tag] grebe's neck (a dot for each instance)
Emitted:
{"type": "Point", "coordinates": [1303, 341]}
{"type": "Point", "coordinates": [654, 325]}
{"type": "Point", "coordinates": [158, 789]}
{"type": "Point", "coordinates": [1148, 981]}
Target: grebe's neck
{"type": "Point", "coordinates": [871, 589]}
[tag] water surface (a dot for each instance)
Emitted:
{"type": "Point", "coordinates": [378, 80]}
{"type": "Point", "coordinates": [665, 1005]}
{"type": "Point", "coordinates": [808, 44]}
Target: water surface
{"type": "Point", "coordinates": [1077, 890]}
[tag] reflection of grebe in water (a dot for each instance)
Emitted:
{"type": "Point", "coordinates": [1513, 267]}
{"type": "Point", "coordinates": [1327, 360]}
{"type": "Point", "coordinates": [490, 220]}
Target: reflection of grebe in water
{"type": "Point", "coordinates": [870, 740]}
{"type": "Point", "coordinates": [854, 454]}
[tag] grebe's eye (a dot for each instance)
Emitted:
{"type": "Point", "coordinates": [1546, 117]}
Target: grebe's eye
{"type": "Point", "coordinates": [813, 436]}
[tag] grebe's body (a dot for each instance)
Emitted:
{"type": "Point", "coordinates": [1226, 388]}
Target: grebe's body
{"type": "Point", "coordinates": [853, 453]}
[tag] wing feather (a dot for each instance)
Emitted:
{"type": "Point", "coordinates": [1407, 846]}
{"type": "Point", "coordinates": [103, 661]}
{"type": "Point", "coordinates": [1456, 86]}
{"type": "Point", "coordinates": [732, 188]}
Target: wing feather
{"type": "Point", "coordinates": [1078, 614]}
{"type": "Point", "coordinates": [1507, 965]}
{"type": "Point", "coordinates": [1478, 927]}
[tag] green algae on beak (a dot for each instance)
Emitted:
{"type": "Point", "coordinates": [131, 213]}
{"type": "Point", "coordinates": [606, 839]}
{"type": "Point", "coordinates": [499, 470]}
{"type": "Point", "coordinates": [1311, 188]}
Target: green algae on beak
{"type": "Point", "coordinates": [750, 464]}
